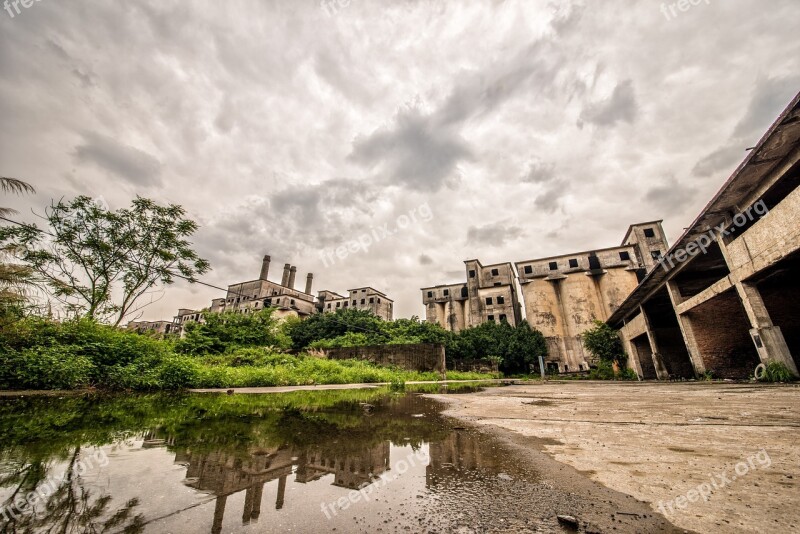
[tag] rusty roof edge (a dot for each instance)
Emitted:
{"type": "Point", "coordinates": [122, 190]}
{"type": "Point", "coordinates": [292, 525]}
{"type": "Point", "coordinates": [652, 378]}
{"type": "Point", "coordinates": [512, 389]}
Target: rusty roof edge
{"type": "Point", "coordinates": [658, 274]}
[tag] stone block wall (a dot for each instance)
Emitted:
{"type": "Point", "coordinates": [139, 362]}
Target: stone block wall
{"type": "Point", "coordinates": [416, 357]}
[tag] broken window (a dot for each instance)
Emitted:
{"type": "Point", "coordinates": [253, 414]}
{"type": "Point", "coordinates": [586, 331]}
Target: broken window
{"type": "Point", "coordinates": [430, 294]}
{"type": "Point", "coordinates": [501, 300]}
{"type": "Point", "coordinates": [656, 254]}
{"type": "Point", "coordinates": [372, 300]}
{"type": "Point", "coordinates": [497, 284]}
{"type": "Point", "coordinates": [528, 269]}
{"type": "Point", "coordinates": [491, 317]}
{"type": "Point", "coordinates": [503, 318]}
{"type": "Point", "coordinates": [488, 300]}
{"type": "Point", "coordinates": [553, 266]}
{"type": "Point", "coordinates": [446, 292]}
{"type": "Point", "coordinates": [624, 256]}
{"type": "Point", "coordinates": [649, 232]}
{"type": "Point", "coordinates": [471, 273]}
{"type": "Point", "coordinates": [363, 301]}
{"type": "Point", "coordinates": [495, 272]}
{"type": "Point", "coordinates": [573, 263]}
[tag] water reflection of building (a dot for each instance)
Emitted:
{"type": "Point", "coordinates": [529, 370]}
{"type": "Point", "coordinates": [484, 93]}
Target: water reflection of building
{"type": "Point", "coordinates": [457, 453]}
{"type": "Point", "coordinates": [352, 470]}
{"type": "Point", "coordinates": [224, 474]}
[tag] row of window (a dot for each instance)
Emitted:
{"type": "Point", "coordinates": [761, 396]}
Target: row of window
{"type": "Point", "coordinates": [503, 317]}
{"type": "Point", "coordinates": [500, 300]}
{"type": "Point", "coordinates": [495, 272]}
{"type": "Point", "coordinates": [355, 302]}
{"type": "Point", "coordinates": [573, 262]}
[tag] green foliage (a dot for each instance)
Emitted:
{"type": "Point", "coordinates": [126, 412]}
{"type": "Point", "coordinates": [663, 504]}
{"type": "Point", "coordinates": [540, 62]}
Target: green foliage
{"type": "Point", "coordinates": [777, 372]}
{"type": "Point", "coordinates": [397, 385]}
{"type": "Point", "coordinates": [329, 326]}
{"type": "Point", "coordinates": [603, 343]}
{"type": "Point", "coordinates": [102, 264]}
{"type": "Point", "coordinates": [230, 330]}
{"type": "Point", "coordinates": [517, 348]}
{"type": "Point", "coordinates": [45, 368]}
{"type": "Point", "coordinates": [349, 339]}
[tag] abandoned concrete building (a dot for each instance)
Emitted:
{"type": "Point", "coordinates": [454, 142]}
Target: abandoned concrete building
{"type": "Point", "coordinates": [489, 294]}
{"type": "Point", "coordinates": [563, 295]}
{"type": "Point", "coordinates": [726, 296]}
{"type": "Point", "coordinates": [362, 298]}
{"type": "Point", "coordinates": [157, 327]}
{"type": "Point", "coordinates": [246, 297]}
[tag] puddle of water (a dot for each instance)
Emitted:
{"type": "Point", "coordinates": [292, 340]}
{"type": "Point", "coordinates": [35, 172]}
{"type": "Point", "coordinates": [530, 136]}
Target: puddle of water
{"type": "Point", "coordinates": [348, 460]}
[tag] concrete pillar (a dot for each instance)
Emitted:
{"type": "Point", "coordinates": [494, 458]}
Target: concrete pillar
{"type": "Point", "coordinates": [292, 275]}
{"type": "Point", "coordinates": [219, 514]}
{"type": "Point", "coordinates": [264, 268]}
{"type": "Point", "coordinates": [258, 491]}
{"type": "Point", "coordinates": [281, 492]}
{"type": "Point", "coordinates": [767, 337]}
{"type": "Point", "coordinates": [285, 278]}
{"type": "Point", "coordinates": [687, 332]}
{"type": "Point", "coordinates": [309, 282]}
{"type": "Point", "coordinates": [661, 369]}
{"type": "Point", "coordinates": [247, 511]}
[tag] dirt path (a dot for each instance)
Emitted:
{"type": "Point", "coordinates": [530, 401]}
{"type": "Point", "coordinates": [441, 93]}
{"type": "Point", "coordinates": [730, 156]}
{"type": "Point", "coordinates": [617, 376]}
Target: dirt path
{"type": "Point", "coordinates": [711, 457]}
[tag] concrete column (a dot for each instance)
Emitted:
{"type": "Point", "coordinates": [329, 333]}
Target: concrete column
{"type": "Point", "coordinates": [281, 492]}
{"type": "Point", "coordinates": [292, 275]}
{"type": "Point", "coordinates": [264, 268]}
{"type": "Point", "coordinates": [247, 511]}
{"type": "Point", "coordinates": [686, 330]}
{"type": "Point", "coordinates": [258, 491]}
{"type": "Point", "coordinates": [633, 355]}
{"type": "Point", "coordinates": [309, 282]}
{"type": "Point", "coordinates": [285, 278]}
{"type": "Point", "coordinates": [767, 337]}
{"type": "Point", "coordinates": [661, 369]}
{"type": "Point", "coordinates": [219, 514]}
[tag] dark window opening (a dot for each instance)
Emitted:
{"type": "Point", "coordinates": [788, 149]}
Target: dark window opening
{"type": "Point", "coordinates": [471, 273]}
{"type": "Point", "coordinates": [430, 294]}
{"type": "Point", "coordinates": [355, 302]}
{"type": "Point", "coordinates": [594, 262]}
{"type": "Point", "coordinates": [573, 263]}
{"type": "Point", "coordinates": [464, 292]}
{"type": "Point", "coordinates": [446, 292]}
{"type": "Point", "coordinates": [503, 318]}
{"type": "Point", "coordinates": [491, 317]}
{"type": "Point", "coordinates": [488, 300]}
{"type": "Point", "coordinates": [501, 300]}
{"type": "Point", "coordinates": [372, 300]}
{"type": "Point", "coordinates": [528, 269]}
{"type": "Point", "coordinates": [624, 256]}
{"type": "Point", "coordinates": [363, 301]}
{"type": "Point", "coordinates": [495, 272]}
{"type": "Point", "coordinates": [656, 254]}
{"type": "Point", "coordinates": [553, 266]}
{"type": "Point", "coordinates": [649, 232]}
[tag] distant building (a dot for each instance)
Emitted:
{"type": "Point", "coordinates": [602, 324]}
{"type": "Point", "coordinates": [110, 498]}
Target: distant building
{"type": "Point", "coordinates": [362, 298]}
{"type": "Point", "coordinates": [157, 327]}
{"type": "Point", "coordinates": [563, 295]}
{"type": "Point", "coordinates": [489, 294]}
{"type": "Point", "coordinates": [247, 297]}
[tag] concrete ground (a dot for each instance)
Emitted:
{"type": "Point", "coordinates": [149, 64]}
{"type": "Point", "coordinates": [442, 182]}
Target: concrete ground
{"type": "Point", "coordinates": [711, 457]}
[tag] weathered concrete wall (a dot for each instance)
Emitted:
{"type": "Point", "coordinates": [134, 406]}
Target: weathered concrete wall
{"type": "Point", "coordinates": [476, 366]}
{"type": "Point", "coordinates": [416, 357]}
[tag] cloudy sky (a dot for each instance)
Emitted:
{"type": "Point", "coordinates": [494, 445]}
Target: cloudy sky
{"type": "Point", "coordinates": [528, 128]}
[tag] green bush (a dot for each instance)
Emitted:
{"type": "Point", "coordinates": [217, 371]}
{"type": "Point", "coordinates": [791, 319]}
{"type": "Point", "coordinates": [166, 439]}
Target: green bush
{"type": "Point", "coordinates": [177, 372]}
{"type": "Point", "coordinates": [603, 343]}
{"type": "Point", "coordinates": [45, 368]}
{"type": "Point", "coordinates": [221, 332]}
{"type": "Point", "coordinates": [777, 372]}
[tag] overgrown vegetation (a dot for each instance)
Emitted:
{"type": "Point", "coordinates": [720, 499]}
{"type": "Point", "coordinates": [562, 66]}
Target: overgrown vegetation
{"type": "Point", "coordinates": [777, 372]}
{"type": "Point", "coordinates": [604, 344]}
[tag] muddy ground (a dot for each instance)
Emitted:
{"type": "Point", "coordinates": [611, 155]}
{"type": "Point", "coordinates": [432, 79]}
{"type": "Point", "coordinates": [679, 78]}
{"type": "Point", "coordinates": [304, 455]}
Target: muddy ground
{"type": "Point", "coordinates": [710, 457]}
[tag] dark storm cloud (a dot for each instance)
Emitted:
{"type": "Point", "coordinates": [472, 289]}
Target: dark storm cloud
{"type": "Point", "coordinates": [670, 196]}
{"type": "Point", "coordinates": [493, 234]}
{"type": "Point", "coordinates": [621, 106]}
{"type": "Point", "coordinates": [124, 161]}
{"type": "Point", "coordinates": [769, 98]}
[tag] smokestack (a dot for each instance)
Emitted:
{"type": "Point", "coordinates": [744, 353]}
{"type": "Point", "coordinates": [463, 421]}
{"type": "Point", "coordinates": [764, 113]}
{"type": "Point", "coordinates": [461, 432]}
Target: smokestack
{"type": "Point", "coordinates": [264, 268]}
{"type": "Point", "coordinates": [309, 281]}
{"type": "Point", "coordinates": [285, 279]}
{"type": "Point", "coordinates": [292, 274]}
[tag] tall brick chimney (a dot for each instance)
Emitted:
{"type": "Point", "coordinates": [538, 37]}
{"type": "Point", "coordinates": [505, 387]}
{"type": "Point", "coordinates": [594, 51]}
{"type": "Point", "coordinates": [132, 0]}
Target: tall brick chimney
{"type": "Point", "coordinates": [292, 274]}
{"type": "Point", "coordinates": [264, 268]}
{"type": "Point", "coordinates": [309, 281]}
{"type": "Point", "coordinates": [285, 279]}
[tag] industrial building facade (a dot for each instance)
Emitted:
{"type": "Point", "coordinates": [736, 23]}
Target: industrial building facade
{"type": "Point", "coordinates": [726, 297]}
